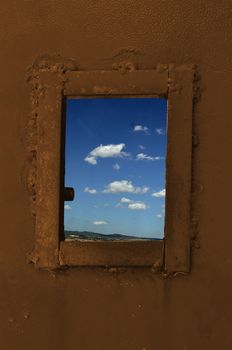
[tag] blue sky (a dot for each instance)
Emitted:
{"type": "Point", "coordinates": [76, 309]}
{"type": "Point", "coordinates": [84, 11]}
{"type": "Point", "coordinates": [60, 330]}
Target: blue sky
{"type": "Point", "coordinates": [115, 160]}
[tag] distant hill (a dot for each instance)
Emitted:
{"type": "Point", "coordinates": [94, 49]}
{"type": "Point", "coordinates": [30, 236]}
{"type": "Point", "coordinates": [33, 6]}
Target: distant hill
{"type": "Point", "coordinates": [94, 236]}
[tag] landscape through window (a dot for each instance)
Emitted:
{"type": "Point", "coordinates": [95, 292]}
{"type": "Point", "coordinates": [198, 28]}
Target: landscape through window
{"type": "Point", "coordinates": [115, 159]}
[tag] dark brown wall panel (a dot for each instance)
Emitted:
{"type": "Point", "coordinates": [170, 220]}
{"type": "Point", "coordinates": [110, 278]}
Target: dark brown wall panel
{"type": "Point", "coordinates": [133, 309]}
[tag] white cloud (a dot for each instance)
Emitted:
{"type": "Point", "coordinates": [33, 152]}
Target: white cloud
{"type": "Point", "coordinates": [100, 222]}
{"type": "Point", "coordinates": [124, 186]}
{"type": "Point", "coordinates": [142, 147]}
{"type": "Point", "coordinates": [91, 160]}
{"type": "Point", "coordinates": [119, 186]}
{"type": "Point", "coordinates": [106, 151]}
{"type": "Point", "coordinates": [142, 190]}
{"type": "Point", "coordinates": [116, 166]}
{"type": "Point", "coordinates": [159, 216]}
{"type": "Point", "coordinates": [159, 194]}
{"type": "Point", "coordinates": [137, 206]}
{"type": "Point", "coordinates": [160, 131]}
{"type": "Point", "coordinates": [132, 205]}
{"type": "Point", "coordinates": [67, 207]}
{"type": "Point", "coordinates": [142, 156]}
{"type": "Point", "coordinates": [141, 128]}
{"type": "Point", "coordinates": [90, 190]}
{"type": "Point", "coordinates": [125, 200]}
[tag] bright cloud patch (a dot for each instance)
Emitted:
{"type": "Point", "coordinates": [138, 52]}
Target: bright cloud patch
{"type": "Point", "coordinates": [160, 131]}
{"type": "Point", "coordinates": [159, 194]}
{"type": "Point", "coordinates": [90, 190]}
{"type": "Point", "coordinates": [131, 204]}
{"type": "Point", "coordinates": [125, 200]}
{"type": "Point", "coordinates": [159, 216]}
{"type": "Point", "coordinates": [141, 147]}
{"type": "Point", "coordinates": [141, 128]}
{"type": "Point", "coordinates": [91, 160]}
{"type": "Point", "coordinates": [142, 156]}
{"type": "Point", "coordinates": [116, 166]}
{"type": "Point", "coordinates": [67, 207]}
{"type": "Point", "coordinates": [99, 223]}
{"type": "Point", "coordinates": [137, 206]}
{"type": "Point", "coordinates": [124, 186]}
{"type": "Point", "coordinates": [106, 151]}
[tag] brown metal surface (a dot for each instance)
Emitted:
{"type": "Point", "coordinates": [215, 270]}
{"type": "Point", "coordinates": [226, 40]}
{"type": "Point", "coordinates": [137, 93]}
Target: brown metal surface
{"type": "Point", "coordinates": [48, 172]}
{"type": "Point", "coordinates": [111, 253]}
{"type": "Point", "coordinates": [109, 83]}
{"type": "Point", "coordinates": [117, 309]}
{"type": "Point", "coordinates": [179, 169]}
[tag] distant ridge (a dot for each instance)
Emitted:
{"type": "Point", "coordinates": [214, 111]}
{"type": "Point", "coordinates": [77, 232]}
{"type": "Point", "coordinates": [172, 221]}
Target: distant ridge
{"type": "Point", "coordinates": [94, 236]}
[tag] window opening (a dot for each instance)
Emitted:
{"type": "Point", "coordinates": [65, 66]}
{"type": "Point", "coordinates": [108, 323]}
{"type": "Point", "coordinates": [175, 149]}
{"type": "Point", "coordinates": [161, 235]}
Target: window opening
{"type": "Point", "coordinates": [115, 161]}
{"type": "Point", "coordinates": [54, 190]}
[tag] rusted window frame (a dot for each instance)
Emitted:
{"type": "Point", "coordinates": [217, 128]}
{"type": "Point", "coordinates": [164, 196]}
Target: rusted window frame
{"type": "Point", "coordinates": [171, 254]}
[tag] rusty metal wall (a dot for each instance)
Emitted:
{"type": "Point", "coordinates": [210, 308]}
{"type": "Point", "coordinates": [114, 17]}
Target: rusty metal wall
{"type": "Point", "coordinates": [92, 309]}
